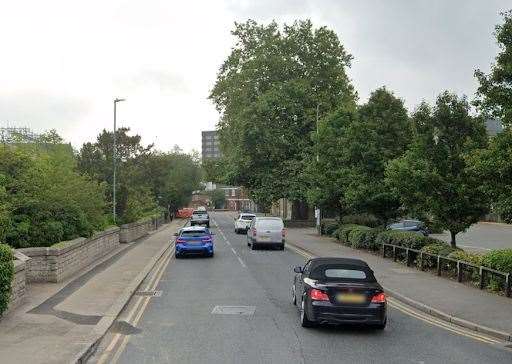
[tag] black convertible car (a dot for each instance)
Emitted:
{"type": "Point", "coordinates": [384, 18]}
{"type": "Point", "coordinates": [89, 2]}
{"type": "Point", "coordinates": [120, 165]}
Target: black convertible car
{"type": "Point", "coordinates": [337, 291]}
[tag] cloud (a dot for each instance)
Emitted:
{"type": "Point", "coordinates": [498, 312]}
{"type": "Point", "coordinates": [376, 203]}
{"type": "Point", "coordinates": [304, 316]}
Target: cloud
{"type": "Point", "coordinates": [42, 111]}
{"type": "Point", "coordinates": [165, 81]}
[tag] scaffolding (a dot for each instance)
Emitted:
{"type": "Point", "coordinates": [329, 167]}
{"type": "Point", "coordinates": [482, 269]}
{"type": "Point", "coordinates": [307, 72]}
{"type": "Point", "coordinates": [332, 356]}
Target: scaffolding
{"type": "Point", "coordinates": [12, 135]}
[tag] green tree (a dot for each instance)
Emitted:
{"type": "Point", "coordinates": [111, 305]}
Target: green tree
{"type": "Point", "coordinates": [267, 92]}
{"type": "Point", "coordinates": [493, 165]}
{"type": "Point", "coordinates": [46, 200]}
{"type": "Point", "coordinates": [382, 132]}
{"type": "Point", "coordinates": [433, 177]}
{"type": "Point", "coordinates": [495, 91]}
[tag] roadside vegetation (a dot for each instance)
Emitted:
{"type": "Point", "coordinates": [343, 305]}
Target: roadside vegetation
{"type": "Point", "coordinates": [6, 276]}
{"type": "Point", "coordinates": [292, 127]}
{"type": "Point", "coordinates": [50, 193]}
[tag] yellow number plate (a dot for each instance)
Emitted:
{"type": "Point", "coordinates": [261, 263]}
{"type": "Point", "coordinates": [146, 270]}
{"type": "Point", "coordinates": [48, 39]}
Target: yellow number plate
{"type": "Point", "coordinates": [350, 298]}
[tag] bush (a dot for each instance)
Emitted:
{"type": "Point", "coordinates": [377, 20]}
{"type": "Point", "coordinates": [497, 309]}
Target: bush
{"type": "Point", "coordinates": [360, 219]}
{"type": "Point", "coordinates": [439, 248]}
{"type": "Point", "coordinates": [499, 259]}
{"type": "Point", "coordinates": [359, 237]}
{"type": "Point", "coordinates": [472, 258]}
{"type": "Point", "coordinates": [329, 227]}
{"type": "Point", "coordinates": [6, 275]}
{"type": "Point", "coordinates": [406, 239]}
{"type": "Point", "coordinates": [342, 234]}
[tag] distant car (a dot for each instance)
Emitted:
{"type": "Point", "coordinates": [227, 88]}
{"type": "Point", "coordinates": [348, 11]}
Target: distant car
{"type": "Point", "coordinates": [243, 222]}
{"type": "Point", "coordinates": [194, 240]}
{"type": "Point", "coordinates": [410, 225]}
{"type": "Point", "coordinates": [201, 208]}
{"type": "Point", "coordinates": [200, 217]}
{"type": "Point", "coordinates": [337, 291]}
{"type": "Point", "coordinates": [266, 231]}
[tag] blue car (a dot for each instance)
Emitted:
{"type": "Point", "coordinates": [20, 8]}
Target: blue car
{"type": "Point", "coordinates": [194, 240]}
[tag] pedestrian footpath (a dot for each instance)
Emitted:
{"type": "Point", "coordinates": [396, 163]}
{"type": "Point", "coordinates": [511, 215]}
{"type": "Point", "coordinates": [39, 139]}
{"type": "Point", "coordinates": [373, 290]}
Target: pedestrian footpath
{"type": "Point", "coordinates": [59, 322]}
{"type": "Point", "coordinates": [445, 296]}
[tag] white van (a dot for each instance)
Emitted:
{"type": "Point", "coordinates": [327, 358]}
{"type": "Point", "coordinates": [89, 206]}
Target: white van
{"type": "Point", "coordinates": [266, 231]}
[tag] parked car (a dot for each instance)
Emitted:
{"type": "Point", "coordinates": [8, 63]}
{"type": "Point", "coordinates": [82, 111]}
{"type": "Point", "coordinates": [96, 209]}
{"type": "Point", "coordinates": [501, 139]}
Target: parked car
{"type": "Point", "coordinates": [243, 222]}
{"type": "Point", "coordinates": [194, 240]}
{"type": "Point", "coordinates": [410, 225]}
{"type": "Point", "coordinates": [266, 231]}
{"type": "Point", "coordinates": [336, 291]}
{"type": "Point", "coordinates": [200, 217]}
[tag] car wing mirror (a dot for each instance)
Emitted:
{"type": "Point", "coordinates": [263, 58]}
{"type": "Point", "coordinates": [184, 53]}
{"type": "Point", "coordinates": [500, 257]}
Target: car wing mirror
{"type": "Point", "coordinates": [176, 234]}
{"type": "Point", "coordinates": [298, 270]}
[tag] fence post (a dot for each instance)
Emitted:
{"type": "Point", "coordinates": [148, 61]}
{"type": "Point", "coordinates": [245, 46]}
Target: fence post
{"type": "Point", "coordinates": [459, 272]}
{"type": "Point", "coordinates": [394, 253]}
{"type": "Point", "coordinates": [482, 278]}
{"type": "Point", "coordinates": [508, 285]}
{"type": "Point", "coordinates": [408, 257]}
{"type": "Point", "coordinates": [438, 265]}
{"type": "Point", "coordinates": [383, 251]}
{"type": "Point", "coordinates": [421, 260]}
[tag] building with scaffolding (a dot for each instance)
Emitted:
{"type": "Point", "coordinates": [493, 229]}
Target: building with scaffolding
{"type": "Point", "coordinates": [15, 135]}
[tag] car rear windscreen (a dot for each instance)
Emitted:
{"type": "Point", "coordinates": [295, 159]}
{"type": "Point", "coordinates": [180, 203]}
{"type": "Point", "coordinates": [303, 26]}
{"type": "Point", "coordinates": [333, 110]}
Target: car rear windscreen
{"type": "Point", "coordinates": [270, 224]}
{"type": "Point", "coordinates": [194, 234]}
{"type": "Point", "coordinates": [345, 273]}
{"type": "Point", "coordinates": [247, 217]}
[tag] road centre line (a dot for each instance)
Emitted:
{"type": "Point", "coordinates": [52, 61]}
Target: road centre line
{"type": "Point", "coordinates": [418, 315]}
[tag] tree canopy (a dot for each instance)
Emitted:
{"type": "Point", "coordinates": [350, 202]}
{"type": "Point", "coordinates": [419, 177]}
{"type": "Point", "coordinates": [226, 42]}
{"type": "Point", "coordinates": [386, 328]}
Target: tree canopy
{"type": "Point", "coordinates": [267, 92]}
{"type": "Point", "coordinates": [433, 177]}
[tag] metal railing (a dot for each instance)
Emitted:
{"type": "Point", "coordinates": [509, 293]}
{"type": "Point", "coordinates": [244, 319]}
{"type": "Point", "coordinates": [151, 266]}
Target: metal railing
{"type": "Point", "coordinates": [463, 271]}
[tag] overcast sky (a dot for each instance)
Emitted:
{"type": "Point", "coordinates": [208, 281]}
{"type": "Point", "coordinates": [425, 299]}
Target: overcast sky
{"type": "Point", "coordinates": [62, 62]}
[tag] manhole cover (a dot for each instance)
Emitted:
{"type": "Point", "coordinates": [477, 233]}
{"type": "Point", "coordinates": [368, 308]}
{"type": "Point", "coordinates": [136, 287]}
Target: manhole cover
{"type": "Point", "coordinates": [149, 293]}
{"type": "Point", "coordinates": [234, 310]}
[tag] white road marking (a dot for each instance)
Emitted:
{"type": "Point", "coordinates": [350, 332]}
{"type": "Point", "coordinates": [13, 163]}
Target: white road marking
{"type": "Point", "coordinates": [240, 260]}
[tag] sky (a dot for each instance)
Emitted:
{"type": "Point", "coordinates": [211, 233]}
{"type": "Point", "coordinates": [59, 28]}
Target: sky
{"type": "Point", "coordinates": [63, 62]}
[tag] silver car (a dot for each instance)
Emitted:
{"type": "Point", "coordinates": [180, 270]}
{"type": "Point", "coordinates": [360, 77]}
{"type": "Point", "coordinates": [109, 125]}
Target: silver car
{"type": "Point", "coordinates": [266, 231]}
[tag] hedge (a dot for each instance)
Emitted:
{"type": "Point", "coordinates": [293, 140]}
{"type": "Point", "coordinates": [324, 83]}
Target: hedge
{"type": "Point", "coordinates": [405, 239]}
{"type": "Point", "coordinates": [472, 258]}
{"type": "Point", "coordinates": [439, 248]}
{"type": "Point", "coordinates": [329, 227]}
{"type": "Point", "coordinates": [6, 275]}
{"type": "Point", "coordinates": [499, 259]}
{"type": "Point", "coordinates": [342, 233]}
{"type": "Point", "coordinates": [360, 219]}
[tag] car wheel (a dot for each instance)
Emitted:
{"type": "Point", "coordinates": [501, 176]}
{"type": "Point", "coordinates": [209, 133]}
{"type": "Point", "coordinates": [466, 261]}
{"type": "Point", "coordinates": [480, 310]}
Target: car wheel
{"type": "Point", "coordinates": [281, 247]}
{"type": "Point", "coordinates": [177, 256]}
{"type": "Point", "coordinates": [304, 321]}
{"type": "Point", "coordinates": [211, 255]}
{"type": "Point", "coordinates": [237, 231]}
{"type": "Point", "coordinates": [253, 246]}
{"type": "Point", "coordinates": [294, 297]}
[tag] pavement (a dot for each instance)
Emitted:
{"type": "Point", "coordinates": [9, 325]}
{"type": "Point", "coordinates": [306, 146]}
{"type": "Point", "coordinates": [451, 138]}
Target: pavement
{"type": "Point", "coordinates": [236, 308]}
{"type": "Point", "coordinates": [482, 237]}
{"type": "Point", "coordinates": [447, 296]}
{"type": "Point", "coordinates": [61, 322]}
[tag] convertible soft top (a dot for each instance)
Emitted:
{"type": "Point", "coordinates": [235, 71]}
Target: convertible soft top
{"type": "Point", "coordinates": [319, 265]}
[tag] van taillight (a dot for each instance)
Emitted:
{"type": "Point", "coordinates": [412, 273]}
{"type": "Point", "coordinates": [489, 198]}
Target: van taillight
{"type": "Point", "coordinates": [253, 230]}
{"type": "Point", "coordinates": [283, 233]}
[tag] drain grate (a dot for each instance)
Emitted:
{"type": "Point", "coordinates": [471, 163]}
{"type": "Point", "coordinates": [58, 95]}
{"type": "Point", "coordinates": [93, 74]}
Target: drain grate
{"type": "Point", "coordinates": [234, 310]}
{"type": "Point", "coordinates": [149, 293]}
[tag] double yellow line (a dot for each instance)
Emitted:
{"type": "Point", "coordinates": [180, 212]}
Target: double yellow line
{"type": "Point", "coordinates": [417, 314]}
{"type": "Point", "coordinates": [112, 353]}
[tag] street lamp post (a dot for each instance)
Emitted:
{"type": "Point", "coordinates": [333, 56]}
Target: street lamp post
{"type": "Point", "coordinates": [318, 216]}
{"type": "Point", "coordinates": [114, 157]}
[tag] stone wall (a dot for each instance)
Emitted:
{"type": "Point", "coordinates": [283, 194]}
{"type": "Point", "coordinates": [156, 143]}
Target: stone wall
{"type": "Point", "coordinates": [19, 284]}
{"type": "Point", "coordinates": [54, 264]}
{"type": "Point", "coordinates": [136, 230]}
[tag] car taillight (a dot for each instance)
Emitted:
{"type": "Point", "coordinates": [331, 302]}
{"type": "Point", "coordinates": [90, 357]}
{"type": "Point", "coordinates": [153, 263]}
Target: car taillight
{"type": "Point", "coordinates": [318, 295]}
{"type": "Point", "coordinates": [379, 298]}
{"type": "Point", "coordinates": [283, 233]}
{"type": "Point", "coordinates": [180, 241]}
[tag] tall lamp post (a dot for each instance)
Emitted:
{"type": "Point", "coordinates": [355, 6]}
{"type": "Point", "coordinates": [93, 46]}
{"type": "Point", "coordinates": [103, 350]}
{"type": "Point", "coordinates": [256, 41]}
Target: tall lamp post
{"type": "Point", "coordinates": [116, 100]}
{"type": "Point", "coordinates": [318, 216]}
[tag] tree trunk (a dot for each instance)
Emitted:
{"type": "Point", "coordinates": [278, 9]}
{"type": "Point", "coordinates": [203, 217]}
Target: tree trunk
{"type": "Point", "coordinates": [452, 239]}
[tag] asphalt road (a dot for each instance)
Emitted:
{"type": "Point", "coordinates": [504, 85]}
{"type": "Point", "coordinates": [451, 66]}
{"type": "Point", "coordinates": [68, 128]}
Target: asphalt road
{"type": "Point", "coordinates": [179, 326]}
